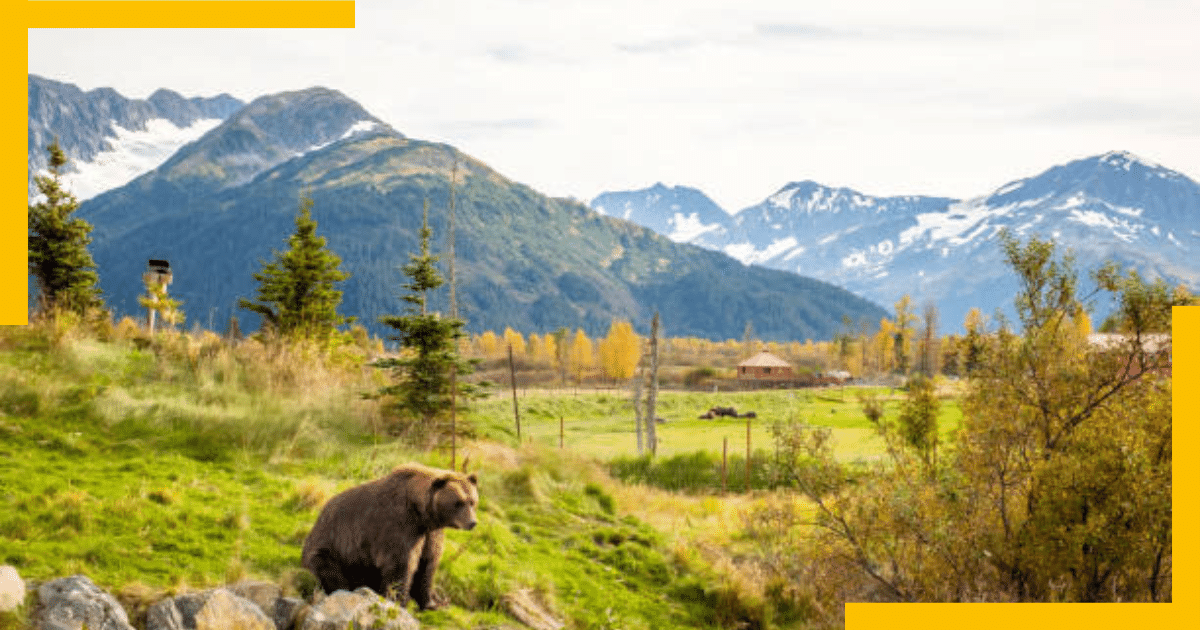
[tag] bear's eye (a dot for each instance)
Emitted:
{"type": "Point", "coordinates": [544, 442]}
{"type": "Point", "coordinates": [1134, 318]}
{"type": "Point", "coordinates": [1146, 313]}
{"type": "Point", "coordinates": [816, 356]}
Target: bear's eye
{"type": "Point", "coordinates": [461, 503]}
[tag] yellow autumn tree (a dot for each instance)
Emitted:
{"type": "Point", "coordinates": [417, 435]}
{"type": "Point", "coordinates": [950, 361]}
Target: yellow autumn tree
{"type": "Point", "coordinates": [580, 355]}
{"type": "Point", "coordinates": [515, 340]}
{"type": "Point", "coordinates": [549, 349]}
{"type": "Point", "coordinates": [620, 351]}
{"type": "Point", "coordinates": [489, 344]}
{"type": "Point", "coordinates": [883, 345]}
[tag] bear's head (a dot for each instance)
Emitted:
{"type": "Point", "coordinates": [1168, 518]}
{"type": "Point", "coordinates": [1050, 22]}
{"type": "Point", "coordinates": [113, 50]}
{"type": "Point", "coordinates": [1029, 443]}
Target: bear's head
{"type": "Point", "coordinates": [454, 500]}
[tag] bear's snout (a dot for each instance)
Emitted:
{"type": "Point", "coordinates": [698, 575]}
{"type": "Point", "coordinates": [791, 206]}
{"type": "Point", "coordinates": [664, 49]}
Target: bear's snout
{"type": "Point", "coordinates": [469, 526]}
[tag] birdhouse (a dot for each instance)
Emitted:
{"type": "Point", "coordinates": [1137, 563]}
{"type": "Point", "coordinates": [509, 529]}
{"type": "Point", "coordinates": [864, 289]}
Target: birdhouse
{"type": "Point", "coordinates": [158, 272]}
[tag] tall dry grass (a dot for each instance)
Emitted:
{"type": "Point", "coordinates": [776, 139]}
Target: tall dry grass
{"type": "Point", "coordinates": [282, 400]}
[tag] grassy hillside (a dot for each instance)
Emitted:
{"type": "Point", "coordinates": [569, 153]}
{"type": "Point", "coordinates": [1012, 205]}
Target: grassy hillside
{"type": "Point", "coordinates": [187, 463]}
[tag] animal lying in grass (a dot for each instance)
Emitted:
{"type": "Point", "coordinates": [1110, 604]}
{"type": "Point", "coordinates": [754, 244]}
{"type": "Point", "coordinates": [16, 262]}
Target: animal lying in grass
{"type": "Point", "coordinates": [388, 533]}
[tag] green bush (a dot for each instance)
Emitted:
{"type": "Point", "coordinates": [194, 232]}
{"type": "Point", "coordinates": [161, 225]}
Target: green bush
{"type": "Point", "coordinates": [696, 377]}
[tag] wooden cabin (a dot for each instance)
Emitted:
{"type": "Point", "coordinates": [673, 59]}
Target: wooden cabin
{"type": "Point", "coordinates": [765, 366]}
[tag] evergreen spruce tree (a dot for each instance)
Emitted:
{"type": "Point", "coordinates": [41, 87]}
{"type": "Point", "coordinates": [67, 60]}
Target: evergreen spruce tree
{"type": "Point", "coordinates": [420, 395]}
{"type": "Point", "coordinates": [59, 261]}
{"type": "Point", "coordinates": [296, 294]}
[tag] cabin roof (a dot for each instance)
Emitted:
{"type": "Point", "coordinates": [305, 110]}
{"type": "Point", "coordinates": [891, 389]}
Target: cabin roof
{"type": "Point", "coordinates": [764, 359]}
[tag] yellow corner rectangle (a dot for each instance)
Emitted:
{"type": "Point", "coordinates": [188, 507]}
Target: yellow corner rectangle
{"type": "Point", "coordinates": [192, 14]}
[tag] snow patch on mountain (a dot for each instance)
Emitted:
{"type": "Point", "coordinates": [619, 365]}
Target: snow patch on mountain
{"type": "Point", "coordinates": [749, 254]}
{"type": "Point", "coordinates": [688, 227]}
{"type": "Point", "coordinates": [1120, 228]}
{"type": "Point", "coordinates": [963, 222]}
{"type": "Point", "coordinates": [362, 126]}
{"type": "Point", "coordinates": [783, 198]}
{"type": "Point", "coordinates": [131, 153]}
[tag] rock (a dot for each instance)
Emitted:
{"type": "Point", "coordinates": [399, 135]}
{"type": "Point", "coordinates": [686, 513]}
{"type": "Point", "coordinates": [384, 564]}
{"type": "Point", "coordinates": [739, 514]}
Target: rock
{"type": "Point", "coordinates": [69, 603]}
{"type": "Point", "coordinates": [12, 589]}
{"type": "Point", "coordinates": [262, 594]}
{"type": "Point", "coordinates": [215, 609]}
{"type": "Point", "coordinates": [363, 607]}
{"type": "Point", "coordinates": [522, 605]}
{"type": "Point", "coordinates": [288, 612]}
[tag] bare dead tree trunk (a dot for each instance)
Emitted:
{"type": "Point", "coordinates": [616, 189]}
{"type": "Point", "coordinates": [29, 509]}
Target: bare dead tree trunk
{"type": "Point", "coordinates": [637, 410]}
{"type": "Point", "coordinates": [652, 398]}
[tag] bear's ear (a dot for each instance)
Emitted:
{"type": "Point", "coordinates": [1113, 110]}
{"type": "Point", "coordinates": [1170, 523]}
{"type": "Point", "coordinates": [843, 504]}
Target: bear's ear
{"type": "Point", "coordinates": [474, 479]}
{"type": "Point", "coordinates": [438, 484]}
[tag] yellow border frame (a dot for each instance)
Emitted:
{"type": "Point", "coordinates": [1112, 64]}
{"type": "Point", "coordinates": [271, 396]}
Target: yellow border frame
{"type": "Point", "coordinates": [340, 14]}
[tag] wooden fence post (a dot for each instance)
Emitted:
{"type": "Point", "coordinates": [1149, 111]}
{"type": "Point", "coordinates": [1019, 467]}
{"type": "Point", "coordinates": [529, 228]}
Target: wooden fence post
{"type": "Point", "coordinates": [725, 465]}
{"type": "Point", "coordinates": [747, 455]}
{"type": "Point", "coordinates": [512, 368]}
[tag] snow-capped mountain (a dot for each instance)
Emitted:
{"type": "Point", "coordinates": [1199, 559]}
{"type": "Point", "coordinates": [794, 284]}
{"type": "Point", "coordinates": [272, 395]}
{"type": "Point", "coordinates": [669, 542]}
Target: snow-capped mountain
{"type": "Point", "coordinates": [1115, 206]}
{"type": "Point", "coordinates": [111, 139]}
{"type": "Point", "coordinates": [680, 213]}
{"type": "Point", "coordinates": [267, 132]}
{"type": "Point", "coordinates": [807, 225]}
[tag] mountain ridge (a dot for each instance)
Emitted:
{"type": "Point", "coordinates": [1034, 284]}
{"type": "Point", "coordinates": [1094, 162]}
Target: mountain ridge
{"type": "Point", "coordinates": [223, 202]}
{"type": "Point", "coordinates": [943, 250]}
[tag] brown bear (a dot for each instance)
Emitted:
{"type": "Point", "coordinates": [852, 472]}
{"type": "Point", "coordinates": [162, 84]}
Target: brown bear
{"type": "Point", "coordinates": [388, 532]}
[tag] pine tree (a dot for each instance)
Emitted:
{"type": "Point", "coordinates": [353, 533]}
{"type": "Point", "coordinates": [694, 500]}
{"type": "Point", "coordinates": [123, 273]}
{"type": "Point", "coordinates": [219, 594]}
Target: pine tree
{"type": "Point", "coordinates": [59, 261]}
{"type": "Point", "coordinates": [296, 293]}
{"type": "Point", "coordinates": [421, 392]}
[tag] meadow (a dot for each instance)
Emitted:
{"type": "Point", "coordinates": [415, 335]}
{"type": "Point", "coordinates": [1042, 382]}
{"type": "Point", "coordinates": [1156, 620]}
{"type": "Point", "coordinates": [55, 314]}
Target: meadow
{"type": "Point", "coordinates": [600, 424]}
{"type": "Point", "coordinates": [155, 467]}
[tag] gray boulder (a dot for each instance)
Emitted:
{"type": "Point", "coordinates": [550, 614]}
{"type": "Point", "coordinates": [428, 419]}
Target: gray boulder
{"type": "Point", "coordinates": [364, 607]}
{"type": "Point", "coordinates": [12, 589]}
{"type": "Point", "coordinates": [288, 611]}
{"type": "Point", "coordinates": [68, 603]}
{"type": "Point", "coordinates": [215, 609]}
{"type": "Point", "coordinates": [269, 598]}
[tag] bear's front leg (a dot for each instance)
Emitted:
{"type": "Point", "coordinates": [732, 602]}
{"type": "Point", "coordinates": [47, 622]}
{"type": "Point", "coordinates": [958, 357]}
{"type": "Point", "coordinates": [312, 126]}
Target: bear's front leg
{"type": "Point", "coordinates": [395, 571]}
{"type": "Point", "coordinates": [422, 579]}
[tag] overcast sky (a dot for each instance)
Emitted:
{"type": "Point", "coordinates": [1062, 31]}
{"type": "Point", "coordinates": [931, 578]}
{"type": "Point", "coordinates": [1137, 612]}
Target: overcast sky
{"type": "Point", "coordinates": [737, 99]}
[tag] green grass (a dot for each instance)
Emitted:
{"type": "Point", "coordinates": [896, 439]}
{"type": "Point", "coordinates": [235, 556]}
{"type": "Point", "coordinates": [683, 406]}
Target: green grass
{"type": "Point", "coordinates": [152, 473]}
{"type": "Point", "coordinates": [601, 425]}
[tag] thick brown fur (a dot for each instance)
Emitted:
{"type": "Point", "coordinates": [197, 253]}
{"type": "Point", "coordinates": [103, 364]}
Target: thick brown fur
{"type": "Point", "coordinates": [388, 533]}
